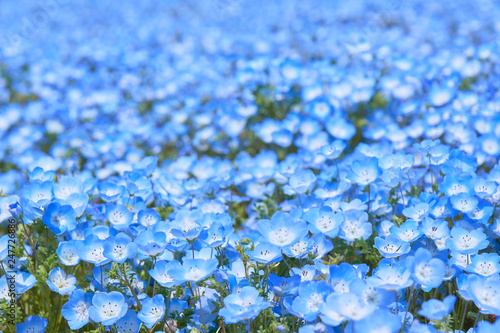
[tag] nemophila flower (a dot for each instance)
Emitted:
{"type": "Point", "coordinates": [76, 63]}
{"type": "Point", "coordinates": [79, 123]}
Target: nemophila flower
{"type": "Point", "coordinates": [324, 220]}
{"type": "Point", "coordinates": [148, 164]}
{"type": "Point", "coordinates": [306, 273]}
{"type": "Point", "coordinates": [355, 226]}
{"type": "Point", "coordinates": [61, 283]}
{"type": "Point", "coordinates": [266, 253]}
{"type": "Point", "coordinates": [282, 230]}
{"type": "Point", "coordinates": [39, 193]}
{"type": "Point", "coordinates": [92, 250]}
{"type": "Point", "coordinates": [110, 192]}
{"type": "Point", "coordinates": [456, 184]}
{"type": "Point", "coordinates": [148, 217]}
{"type": "Point", "coordinates": [245, 305]}
{"type": "Point", "coordinates": [408, 231]}
{"type": "Point", "coordinates": [119, 248]}
{"type": "Point", "coordinates": [485, 292]}
{"type": "Point", "coordinates": [379, 320]}
{"type": "Point", "coordinates": [434, 309]}
{"type": "Point", "coordinates": [107, 308]}
{"type": "Point", "coordinates": [339, 128]}
{"type": "Point", "coordinates": [78, 201]}
{"type": "Point", "coordinates": [463, 202]}
{"type": "Point", "coordinates": [282, 286]}
{"type": "Point", "coordinates": [160, 272]}
{"type": "Point", "coordinates": [417, 211]}
{"type": "Point", "coordinates": [75, 311]}
{"type": "Point", "coordinates": [482, 212]}
{"type": "Point", "coordinates": [426, 270]}
{"type": "Point", "coordinates": [485, 264]}
{"type": "Point", "coordinates": [66, 186]}
{"type": "Point", "coordinates": [59, 218]}
{"type": "Point", "coordinates": [333, 150]}
{"type": "Point", "coordinates": [151, 243]}
{"type": "Point", "coordinates": [216, 235]}
{"type": "Point", "coordinates": [484, 188]}
{"type": "Point", "coordinates": [320, 245]}
{"type": "Point", "coordinates": [341, 276]}
{"type": "Point", "coordinates": [487, 327]}
{"type": "Point", "coordinates": [119, 216]}
{"type": "Point", "coordinates": [100, 231]}
{"type": "Point", "coordinates": [130, 323]}
{"type": "Point", "coordinates": [300, 182]}
{"type": "Point", "coordinates": [311, 295]}
{"type": "Point", "coordinates": [466, 242]}
{"type": "Point", "coordinates": [372, 295]}
{"type": "Point", "coordinates": [440, 209]}
{"type": "Point", "coordinates": [193, 270]}
{"type": "Point", "coordinates": [364, 172]}
{"type": "Point", "coordinates": [15, 209]}
{"type": "Point", "coordinates": [152, 310]}
{"type": "Point", "coordinates": [390, 275]}
{"type": "Point", "coordinates": [40, 175]}
{"type": "Point", "coordinates": [350, 305]}
{"type": "Point", "coordinates": [32, 324]}
{"type": "Point", "coordinates": [24, 282]}
{"type": "Point", "coordinates": [185, 225]}
{"type": "Point", "coordinates": [391, 246]}
{"type": "Point", "coordinates": [435, 229]}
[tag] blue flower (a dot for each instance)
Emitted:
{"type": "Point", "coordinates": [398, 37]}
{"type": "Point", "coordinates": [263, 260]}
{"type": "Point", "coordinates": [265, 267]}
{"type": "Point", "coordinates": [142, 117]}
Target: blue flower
{"type": "Point", "coordinates": [119, 248]}
{"type": "Point", "coordinates": [435, 229]}
{"type": "Point", "coordinates": [39, 175]}
{"type": "Point", "coordinates": [75, 311]}
{"type": "Point", "coordinates": [349, 305]}
{"type": "Point", "coordinates": [281, 230]}
{"type": "Point", "coordinates": [390, 275]}
{"type": "Point", "coordinates": [466, 242]}
{"type": "Point", "coordinates": [427, 271]}
{"type": "Point", "coordinates": [485, 264]}
{"type": "Point", "coordinates": [152, 310]}
{"type": "Point", "coordinates": [245, 305]}
{"type": "Point", "coordinates": [148, 217]}
{"type": "Point", "coordinates": [324, 220]}
{"type": "Point", "coordinates": [484, 292]}
{"type": "Point", "coordinates": [311, 295]}
{"type": "Point", "coordinates": [129, 323]}
{"type": "Point", "coordinates": [392, 246]}
{"type": "Point", "coordinates": [110, 192]}
{"type": "Point", "coordinates": [59, 218]}
{"type": "Point", "coordinates": [119, 216]}
{"type": "Point", "coordinates": [435, 309]}
{"type": "Point", "coordinates": [61, 283]}
{"type": "Point", "coordinates": [193, 270]}
{"type": "Point", "coordinates": [378, 321]}
{"type": "Point", "coordinates": [486, 327]}
{"type": "Point", "coordinates": [107, 308]}
{"type": "Point", "coordinates": [32, 324]}
{"type": "Point", "coordinates": [364, 172]}
{"type": "Point", "coordinates": [300, 182]}
{"type": "Point", "coordinates": [151, 243]}
{"type": "Point", "coordinates": [92, 250]}
{"type": "Point", "coordinates": [463, 202]}
{"type": "Point", "coordinates": [408, 231]}
{"type": "Point", "coordinates": [160, 272]}
{"type": "Point", "coordinates": [24, 282]}
{"type": "Point", "coordinates": [68, 253]}
{"type": "Point", "coordinates": [265, 253]}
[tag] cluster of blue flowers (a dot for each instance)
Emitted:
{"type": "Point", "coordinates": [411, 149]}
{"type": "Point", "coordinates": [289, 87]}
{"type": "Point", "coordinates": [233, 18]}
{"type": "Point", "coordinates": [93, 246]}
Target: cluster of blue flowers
{"type": "Point", "coordinates": [250, 166]}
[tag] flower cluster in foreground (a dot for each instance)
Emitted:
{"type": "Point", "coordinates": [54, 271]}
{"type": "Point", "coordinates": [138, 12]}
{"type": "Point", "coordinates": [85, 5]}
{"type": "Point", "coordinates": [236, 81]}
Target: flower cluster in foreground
{"type": "Point", "coordinates": [313, 168]}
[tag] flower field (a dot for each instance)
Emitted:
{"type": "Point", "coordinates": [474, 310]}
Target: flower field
{"type": "Point", "coordinates": [225, 166]}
